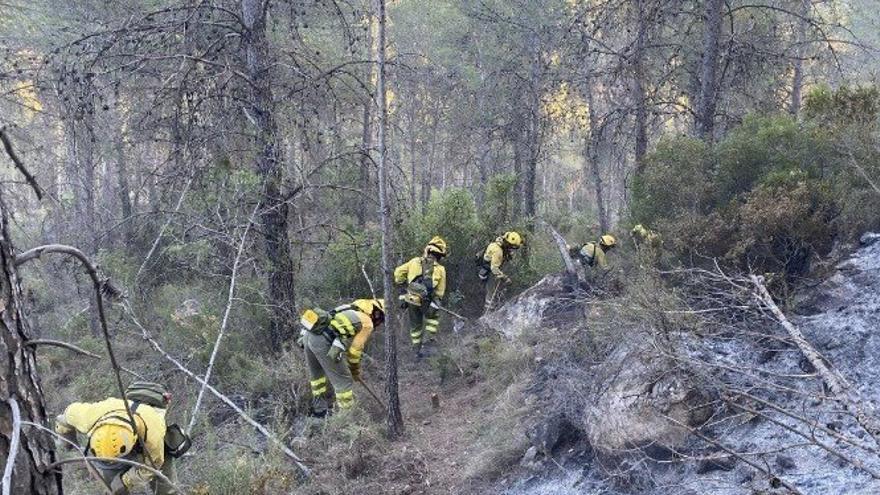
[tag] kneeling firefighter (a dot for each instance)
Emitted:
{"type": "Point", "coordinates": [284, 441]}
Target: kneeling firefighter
{"type": "Point", "coordinates": [334, 344]}
{"type": "Point", "coordinates": [425, 280]}
{"type": "Point", "coordinates": [490, 261]}
{"type": "Point", "coordinates": [109, 435]}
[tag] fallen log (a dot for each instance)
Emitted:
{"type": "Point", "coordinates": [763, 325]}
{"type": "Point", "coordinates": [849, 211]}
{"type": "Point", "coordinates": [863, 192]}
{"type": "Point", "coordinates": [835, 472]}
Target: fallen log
{"type": "Point", "coordinates": [840, 389]}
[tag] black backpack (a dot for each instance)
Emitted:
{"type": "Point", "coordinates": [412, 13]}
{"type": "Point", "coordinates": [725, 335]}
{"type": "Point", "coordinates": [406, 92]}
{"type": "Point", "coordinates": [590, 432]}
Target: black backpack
{"type": "Point", "coordinates": [152, 394]}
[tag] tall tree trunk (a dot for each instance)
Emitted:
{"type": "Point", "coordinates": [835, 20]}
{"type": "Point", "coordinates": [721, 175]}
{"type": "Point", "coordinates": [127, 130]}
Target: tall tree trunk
{"type": "Point", "coordinates": [484, 136]}
{"type": "Point", "coordinates": [797, 82]}
{"type": "Point", "coordinates": [591, 158]}
{"type": "Point", "coordinates": [124, 191]}
{"type": "Point", "coordinates": [273, 208]}
{"type": "Point", "coordinates": [413, 161]}
{"type": "Point", "coordinates": [638, 88]}
{"type": "Point", "coordinates": [395, 418]}
{"type": "Point", "coordinates": [708, 97]}
{"type": "Point", "coordinates": [518, 205]}
{"type": "Point", "coordinates": [428, 169]}
{"type": "Point", "coordinates": [19, 383]}
{"type": "Point", "coordinates": [367, 119]}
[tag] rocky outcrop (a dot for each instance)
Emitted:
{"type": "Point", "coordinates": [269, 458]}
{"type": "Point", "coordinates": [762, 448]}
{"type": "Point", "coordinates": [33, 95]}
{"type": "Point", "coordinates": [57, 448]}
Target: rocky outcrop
{"type": "Point", "coordinates": [634, 394]}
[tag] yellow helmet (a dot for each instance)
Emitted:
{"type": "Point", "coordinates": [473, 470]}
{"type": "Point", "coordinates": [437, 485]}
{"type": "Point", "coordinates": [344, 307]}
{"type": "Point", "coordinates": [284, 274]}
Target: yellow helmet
{"type": "Point", "coordinates": [513, 239]}
{"type": "Point", "coordinates": [368, 306]}
{"type": "Point", "coordinates": [437, 246]}
{"type": "Point", "coordinates": [608, 240]}
{"type": "Point", "coordinates": [112, 440]}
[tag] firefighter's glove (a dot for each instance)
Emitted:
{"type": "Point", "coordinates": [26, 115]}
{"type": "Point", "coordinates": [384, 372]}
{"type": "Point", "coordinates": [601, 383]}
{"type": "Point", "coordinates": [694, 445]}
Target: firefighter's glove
{"type": "Point", "coordinates": [117, 486]}
{"type": "Point", "coordinates": [337, 350]}
{"type": "Point", "coordinates": [355, 371]}
{"type": "Point", "coordinates": [301, 341]}
{"type": "Point", "coordinates": [435, 306]}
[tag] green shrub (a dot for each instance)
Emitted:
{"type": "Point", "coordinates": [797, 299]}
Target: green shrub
{"type": "Point", "coordinates": [766, 197]}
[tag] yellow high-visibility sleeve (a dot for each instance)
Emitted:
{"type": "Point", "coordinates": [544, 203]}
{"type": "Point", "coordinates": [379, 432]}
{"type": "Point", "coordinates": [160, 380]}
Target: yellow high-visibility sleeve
{"type": "Point", "coordinates": [403, 273]}
{"type": "Point", "coordinates": [356, 348]}
{"type": "Point", "coordinates": [439, 277]}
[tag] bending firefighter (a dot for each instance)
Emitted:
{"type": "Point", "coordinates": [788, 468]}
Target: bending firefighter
{"type": "Point", "coordinates": [593, 254]}
{"type": "Point", "coordinates": [425, 280]}
{"type": "Point", "coordinates": [334, 344]}
{"type": "Point", "coordinates": [109, 435]}
{"type": "Point", "coordinates": [496, 254]}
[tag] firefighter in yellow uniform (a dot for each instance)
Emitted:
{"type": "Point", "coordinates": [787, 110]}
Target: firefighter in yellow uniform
{"type": "Point", "coordinates": [593, 254]}
{"type": "Point", "coordinates": [334, 344]}
{"type": "Point", "coordinates": [644, 237]}
{"type": "Point", "coordinates": [425, 280]}
{"type": "Point", "coordinates": [648, 245]}
{"type": "Point", "coordinates": [496, 254]}
{"type": "Point", "coordinates": [109, 434]}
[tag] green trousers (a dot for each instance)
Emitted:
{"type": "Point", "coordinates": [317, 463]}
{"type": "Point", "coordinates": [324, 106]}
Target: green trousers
{"type": "Point", "coordinates": [422, 319]}
{"type": "Point", "coordinates": [323, 369]}
{"type": "Point", "coordinates": [157, 486]}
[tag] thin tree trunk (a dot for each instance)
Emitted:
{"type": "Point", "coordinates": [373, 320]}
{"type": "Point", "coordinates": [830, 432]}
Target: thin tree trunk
{"type": "Point", "coordinates": [20, 388]}
{"type": "Point", "coordinates": [428, 170]}
{"type": "Point", "coordinates": [708, 97]}
{"type": "Point", "coordinates": [367, 119]}
{"type": "Point", "coordinates": [797, 82]}
{"type": "Point", "coordinates": [591, 158]}
{"type": "Point", "coordinates": [532, 134]}
{"type": "Point", "coordinates": [395, 418]}
{"type": "Point", "coordinates": [638, 88]}
{"type": "Point", "coordinates": [413, 162]}
{"type": "Point", "coordinates": [124, 191]}
{"type": "Point", "coordinates": [273, 208]}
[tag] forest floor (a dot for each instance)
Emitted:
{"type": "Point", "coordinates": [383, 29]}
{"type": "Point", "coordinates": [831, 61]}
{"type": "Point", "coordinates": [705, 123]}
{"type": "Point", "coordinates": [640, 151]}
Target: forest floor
{"type": "Point", "coordinates": [466, 443]}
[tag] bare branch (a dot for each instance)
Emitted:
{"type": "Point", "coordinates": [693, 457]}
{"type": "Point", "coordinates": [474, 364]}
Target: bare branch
{"type": "Point", "coordinates": [7, 145]}
{"type": "Point", "coordinates": [226, 400]}
{"type": "Point", "coordinates": [13, 448]}
{"type": "Point", "coordinates": [223, 324]}
{"type": "Point", "coordinates": [78, 350]}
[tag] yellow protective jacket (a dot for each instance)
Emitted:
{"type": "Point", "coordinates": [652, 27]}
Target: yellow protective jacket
{"type": "Point", "coordinates": [412, 269]}
{"type": "Point", "coordinates": [354, 328]}
{"type": "Point", "coordinates": [646, 237]}
{"type": "Point", "coordinates": [495, 257]}
{"type": "Point", "coordinates": [85, 417]}
{"type": "Point", "coordinates": [592, 254]}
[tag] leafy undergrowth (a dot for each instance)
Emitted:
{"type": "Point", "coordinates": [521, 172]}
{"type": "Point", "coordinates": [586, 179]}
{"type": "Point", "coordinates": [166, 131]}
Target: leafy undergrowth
{"type": "Point", "coordinates": [464, 446]}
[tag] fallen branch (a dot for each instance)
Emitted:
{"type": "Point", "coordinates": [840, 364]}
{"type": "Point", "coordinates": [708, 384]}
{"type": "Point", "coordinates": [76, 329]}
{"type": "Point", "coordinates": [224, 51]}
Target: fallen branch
{"type": "Point", "coordinates": [811, 438]}
{"type": "Point", "coordinates": [78, 350]}
{"type": "Point", "coordinates": [734, 453]}
{"type": "Point", "coordinates": [226, 400]}
{"type": "Point", "coordinates": [13, 447]}
{"type": "Point", "coordinates": [836, 383]}
{"type": "Point", "coordinates": [570, 268]}
{"type": "Point", "coordinates": [7, 145]}
{"type": "Point", "coordinates": [223, 324]}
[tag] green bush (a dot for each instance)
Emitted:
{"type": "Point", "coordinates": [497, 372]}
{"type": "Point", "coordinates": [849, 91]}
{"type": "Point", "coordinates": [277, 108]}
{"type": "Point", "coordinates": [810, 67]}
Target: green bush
{"type": "Point", "coordinates": [767, 197]}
